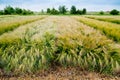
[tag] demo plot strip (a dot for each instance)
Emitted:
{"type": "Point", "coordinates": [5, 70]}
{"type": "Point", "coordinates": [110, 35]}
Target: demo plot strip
{"type": "Point", "coordinates": [109, 29]}
{"type": "Point", "coordinates": [11, 24]}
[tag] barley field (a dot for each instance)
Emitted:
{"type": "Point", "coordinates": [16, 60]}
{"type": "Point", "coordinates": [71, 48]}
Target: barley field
{"type": "Point", "coordinates": [113, 19]}
{"type": "Point", "coordinates": [59, 47]}
{"type": "Point", "coordinates": [109, 29]}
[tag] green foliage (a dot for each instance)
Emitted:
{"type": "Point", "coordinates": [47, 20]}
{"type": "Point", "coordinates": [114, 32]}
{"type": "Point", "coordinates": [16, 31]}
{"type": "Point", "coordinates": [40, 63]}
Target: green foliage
{"type": "Point", "coordinates": [54, 11]}
{"type": "Point", "coordinates": [42, 11]}
{"type": "Point", "coordinates": [62, 9]}
{"type": "Point", "coordinates": [18, 10]}
{"type": "Point", "coordinates": [73, 10]}
{"type": "Point", "coordinates": [114, 12]}
{"type": "Point", "coordinates": [48, 10]}
{"type": "Point", "coordinates": [109, 29]}
{"type": "Point", "coordinates": [8, 10]}
{"type": "Point", "coordinates": [85, 48]}
{"type": "Point", "coordinates": [85, 51]}
{"type": "Point", "coordinates": [88, 52]}
{"type": "Point", "coordinates": [101, 12]}
{"type": "Point", "coordinates": [27, 56]}
{"type": "Point", "coordinates": [11, 25]}
{"type": "Point", "coordinates": [84, 11]}
{"type": "Point", "coordinates": [1, 12]}
{"type": "Point", "coordinates": [26, 12]}
{"type": "Point", "coordinates": [113, 19]}
{"type": "Point", "coordinates": [79, 12]}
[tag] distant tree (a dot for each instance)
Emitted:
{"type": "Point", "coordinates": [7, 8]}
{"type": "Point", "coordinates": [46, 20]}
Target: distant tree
{"type": "Point", "coordinates": [101, 12]}
{"type": "Point", "coordinates": [73, 10]}
{"type": "Point", "coordinates": [79, 12]}
{"type": "Point", "coordinates": [26, 12]}
{"type": "Point", "coordinates": [48, 10]}
{"type": "Point", "coordinates": [1, 12]}
{"type": "Point", "coordinates": [114, 12]}
{"type": "Point", "coordinates": [54, 11]}
{"type": "Point", "coordinates": [84, 11]}
{"type": "Point", "coordinates": [9, 10]}
{"type": "Point", "coordinates": [62, 9]}
{"type": "Point", "coordinates": [18, 10]}
{"type": "Point", "coordinates": [42, 11]}
{"type": "Point", "coordinates": [30, 12]}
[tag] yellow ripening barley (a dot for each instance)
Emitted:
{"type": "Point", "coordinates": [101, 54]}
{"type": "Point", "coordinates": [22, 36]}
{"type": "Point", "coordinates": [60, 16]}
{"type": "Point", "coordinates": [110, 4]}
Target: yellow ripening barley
{"type": "Point", "coordinates": [114, 19]}
{"type": "Point", "coordinates": [90, 39]}
{"type": "Point", "coordinates": [7, 17]}
{"type": "Point", "coordinates": [10, 24]}
{"type": "Point", "coordinates": [59, 39]}
{"type": "Point", "coordinates": [19, 33]}
{"type": "Point", "coordinates": [110, 29]}
{"type": "Point", "coordinates": [116, 68]}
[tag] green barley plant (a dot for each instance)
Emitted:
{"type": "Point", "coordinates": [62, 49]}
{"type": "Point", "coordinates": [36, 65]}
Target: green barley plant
{"type": "Point", "coordinates": [11, 24]}
{"type": "Point", "coordinates": [59, 41]}
{"type": "Point", "coordinates": [7, 17]}
{"type": "Point", "coordinates": [113, 19]}
{"type": "Point", "coordinates": [27, 56]}
{"type": "Point", "coordinates": [39, 27]}
{"type": "Point", "coordinates": [109, 29]}
{"type": "Point", "coordinates": [86, 48]}
{"type": "Point", "coordinates": [93, 54]}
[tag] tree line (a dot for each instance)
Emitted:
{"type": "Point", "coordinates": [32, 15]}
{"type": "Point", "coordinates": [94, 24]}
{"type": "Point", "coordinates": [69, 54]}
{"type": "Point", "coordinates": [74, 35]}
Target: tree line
{"type": "Point", "coordinates": [73, 10]}
{"type": "Point", "coordinates": [64, 10]}
{"type": "Point", "coordinates": [112, 12]}
{"type": "Point", "coordinates": [8, 10]}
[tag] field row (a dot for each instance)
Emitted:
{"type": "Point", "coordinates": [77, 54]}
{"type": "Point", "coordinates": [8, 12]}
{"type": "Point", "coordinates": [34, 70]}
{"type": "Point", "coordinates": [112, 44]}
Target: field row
{"type": "Point", "coordinates": [37, 28]}
{"type": "Point", "coordinates": [109, 29]}
{"type": "Point", "coordinates": [10, 23]}
{"type": "Point", "coordinates": [113, 19]}
{"type": "Point", "coordinates": [60, 41]}
{"type": "Point", "coordinates": [6, 16]}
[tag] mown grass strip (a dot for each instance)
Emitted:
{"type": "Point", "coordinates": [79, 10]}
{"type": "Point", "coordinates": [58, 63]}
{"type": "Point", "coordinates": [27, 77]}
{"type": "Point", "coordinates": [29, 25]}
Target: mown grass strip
{"type": "Point", "coordinates": [7, 25]}
{"type": "Point", "coordinates": [109, 29]}
{"type": "Point", "coordinates": [113, 19]}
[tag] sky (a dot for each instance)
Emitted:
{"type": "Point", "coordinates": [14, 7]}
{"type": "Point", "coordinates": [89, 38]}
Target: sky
{"type": "Point", "coordinates": [38, 5]}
